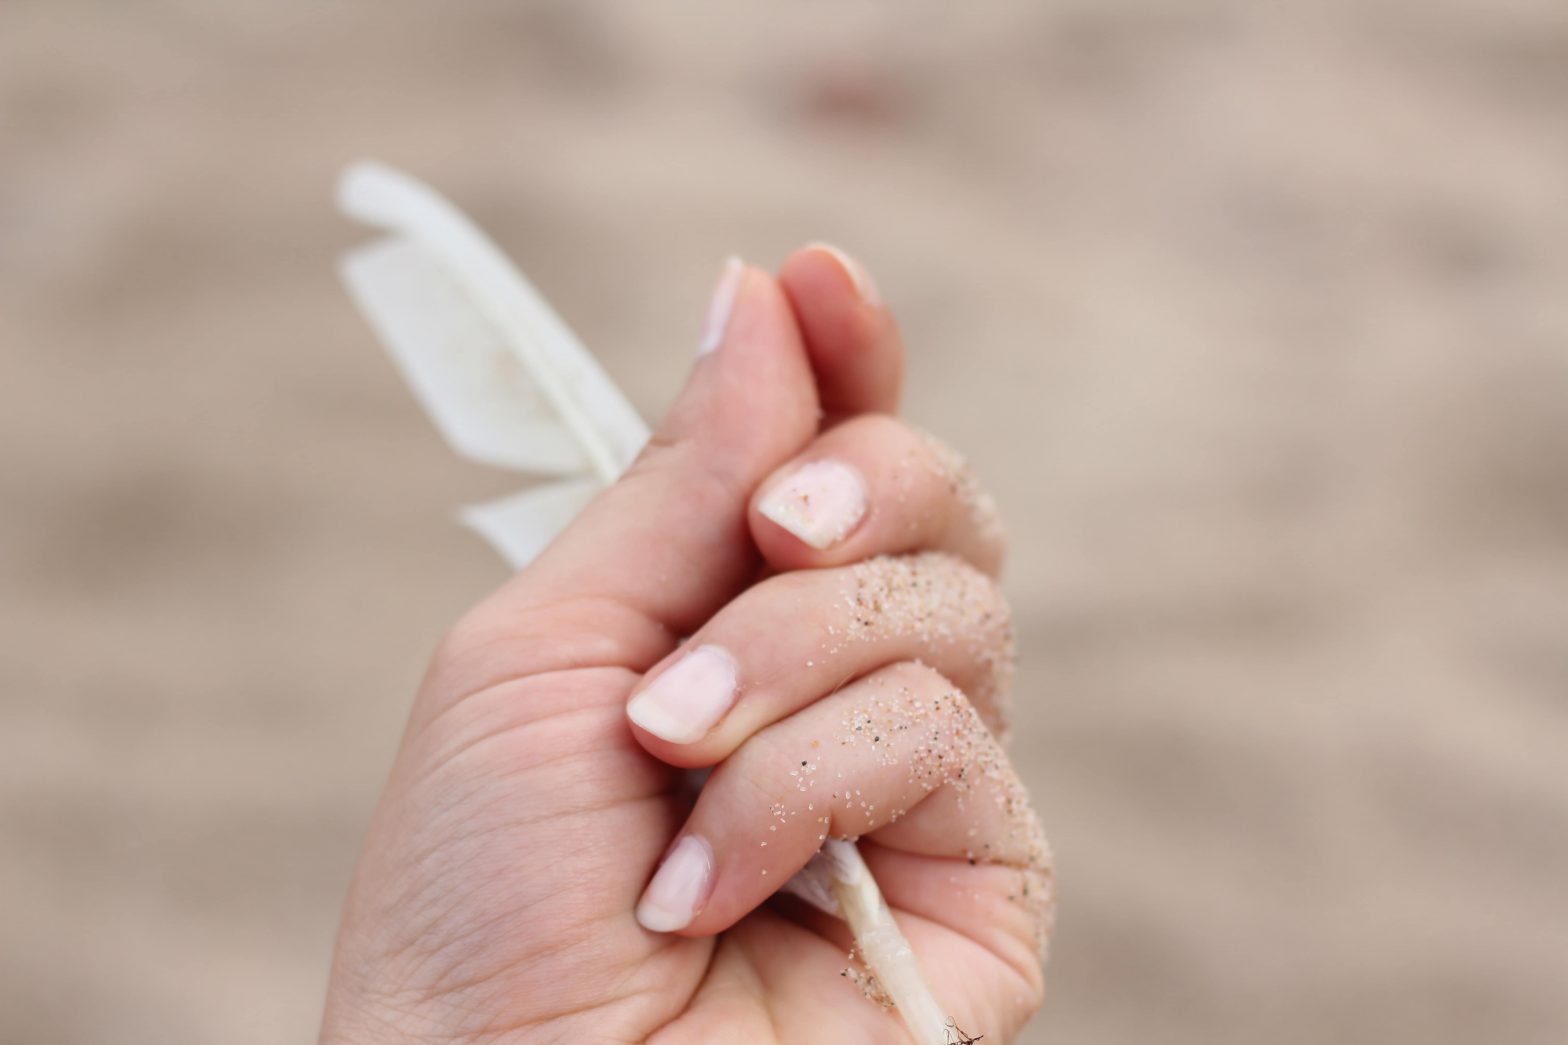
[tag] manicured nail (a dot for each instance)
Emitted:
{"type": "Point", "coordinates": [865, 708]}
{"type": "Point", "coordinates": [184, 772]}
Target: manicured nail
{"type": "Point", "coordinates": [721, 306]}
{"type": "Point", "coordinates": [819, 502]}
{"type": "Point", "coordinates": [689, 697]}
{"type": "Point", "coordinates": [678, 888]}
{"type": "Point", "coordinates": [865, 287]}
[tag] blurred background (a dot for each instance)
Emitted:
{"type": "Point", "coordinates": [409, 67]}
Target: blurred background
{"type": "Point", "coordinates": [1255, 317]}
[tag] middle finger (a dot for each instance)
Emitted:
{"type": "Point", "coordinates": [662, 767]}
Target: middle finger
{"type": "Point", "coordinates": [793, 638]}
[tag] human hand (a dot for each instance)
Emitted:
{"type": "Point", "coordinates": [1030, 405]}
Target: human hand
{"type": "Point", "coordinates": [539, 784]}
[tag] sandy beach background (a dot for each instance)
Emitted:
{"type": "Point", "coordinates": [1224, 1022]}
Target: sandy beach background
{"type": "Point", "coordinates": [1254, 317]}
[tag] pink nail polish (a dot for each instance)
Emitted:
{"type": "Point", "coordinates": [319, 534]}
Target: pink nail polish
{"type": "Point", "coordinates": [865, 286]}
{"type": "Point", "coordinates": [721, 306]}
{"type": "Point", "coordinates": [679, 888]}
{"type": "Point", "coordinates": [689, 697]}
{"type": "Point", "coordinates": [820, 502]}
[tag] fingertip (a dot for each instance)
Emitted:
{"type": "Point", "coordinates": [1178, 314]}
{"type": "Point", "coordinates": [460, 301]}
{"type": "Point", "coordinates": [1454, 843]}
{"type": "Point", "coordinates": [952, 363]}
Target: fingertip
{"type": "Point", "coordinates": [694, 756]}
{"type": "Point", "coordinates": [873, 485]}
{"type": "Point", "coordinates": [805, 511]}
{"type": "Point", "coordinates": [678, 704]}
{"type": "Point", "coordinates": [679, 889]}
{"type": "Point", "coordinates": [865, 288]}
{"type": "Point", "coordinates": [854, 345]}
{"type": "Point", "coordinates": [823, 268]}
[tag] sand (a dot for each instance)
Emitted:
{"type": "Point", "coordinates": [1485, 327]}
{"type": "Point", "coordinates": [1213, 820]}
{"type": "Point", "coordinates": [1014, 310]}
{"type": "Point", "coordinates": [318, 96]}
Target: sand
{"type": "Point", "coordinates": [1252, 316]}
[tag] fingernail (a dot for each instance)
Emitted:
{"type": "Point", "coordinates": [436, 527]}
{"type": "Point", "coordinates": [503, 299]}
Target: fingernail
{"type": "Point", "coordinates": [681, 885]}
{"type": "Point", "coordinates": [865, 286]}
{"type": "Point", "coordinates": [820, 502]}
{"type": "Point", "coordinates": [721, 306]}
{"type": "Point", "coordinates": [689, 697]}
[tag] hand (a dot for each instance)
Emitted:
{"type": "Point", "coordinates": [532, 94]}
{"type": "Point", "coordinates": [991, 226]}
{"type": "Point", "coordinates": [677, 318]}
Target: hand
{"type": "Point", "coordinates": [507, 890]}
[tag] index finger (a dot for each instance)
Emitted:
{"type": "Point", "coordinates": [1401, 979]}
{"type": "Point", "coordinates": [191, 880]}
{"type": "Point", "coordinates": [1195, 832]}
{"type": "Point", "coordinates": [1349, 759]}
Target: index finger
{"type": "Point", "coordinates": [856, 350]}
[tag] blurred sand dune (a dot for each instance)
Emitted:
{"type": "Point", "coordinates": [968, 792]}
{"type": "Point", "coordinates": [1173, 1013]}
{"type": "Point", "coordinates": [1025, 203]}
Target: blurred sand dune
{"type": "Point", "coordinates": [1254, 316]}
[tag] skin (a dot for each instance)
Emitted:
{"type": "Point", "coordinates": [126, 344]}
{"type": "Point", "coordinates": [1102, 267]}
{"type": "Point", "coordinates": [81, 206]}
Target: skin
{"type": "Point", "coordinates": [524, 814]}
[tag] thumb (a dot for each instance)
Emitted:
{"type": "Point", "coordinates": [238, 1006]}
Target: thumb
{"type": "Point", "coordinates": [669, 541]}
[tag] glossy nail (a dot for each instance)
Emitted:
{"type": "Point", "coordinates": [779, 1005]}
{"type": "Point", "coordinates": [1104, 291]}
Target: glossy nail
{"type": "Point", "coordinates": [679, 888]}
{"type": "Point", "coordinates": [820, 502]}
{"type": "Point", "coordinates": [865, 286]}
{"type": "Point", "coordinates": [688, 698]}
{"type": "Point", "coordinates": [721, 306]}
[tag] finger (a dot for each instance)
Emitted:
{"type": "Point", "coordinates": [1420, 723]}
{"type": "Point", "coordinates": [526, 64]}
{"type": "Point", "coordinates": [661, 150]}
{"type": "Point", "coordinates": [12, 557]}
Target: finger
{"type": "Point", "coordinates": [900, 756]}
{"type": "Point", "coordinates": [856, 349]}
{"type": "Point", "coordinates": [668, 544]}
{"type": "Point", "coordinates": [793, 637]}
{"type": "Point", "coordinates": [871, 486]}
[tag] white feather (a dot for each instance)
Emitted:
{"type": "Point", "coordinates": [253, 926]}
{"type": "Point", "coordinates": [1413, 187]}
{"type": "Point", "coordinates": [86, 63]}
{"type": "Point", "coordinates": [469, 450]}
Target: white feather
{"type": "Point", "coordinates": [502, 377]}
{"type": "Point", "coordinates": [476, 391]}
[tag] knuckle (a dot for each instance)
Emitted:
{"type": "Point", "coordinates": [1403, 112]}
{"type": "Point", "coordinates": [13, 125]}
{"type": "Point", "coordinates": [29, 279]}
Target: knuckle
{"type": "Point", "coordinates": [471, 640]}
